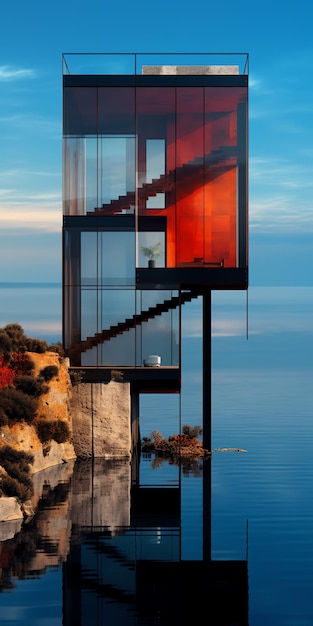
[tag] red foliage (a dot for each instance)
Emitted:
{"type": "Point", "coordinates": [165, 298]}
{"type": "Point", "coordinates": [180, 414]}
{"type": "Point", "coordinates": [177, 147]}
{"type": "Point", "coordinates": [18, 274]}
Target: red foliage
{"type": "Point", "coordinates": [6, 374]}
{"type": "Point", "coordinates": [21, 364]}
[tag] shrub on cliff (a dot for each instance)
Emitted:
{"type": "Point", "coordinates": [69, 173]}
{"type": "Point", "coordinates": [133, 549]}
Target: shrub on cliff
{"type": "Point", "coordinates": [17, 406]}
{"type": "Point", "coordinates": [16, 334]}
{"type": "Point", "coordinates": [6, 373]}
{"type": "Point", "coordinates": [36, 345]}
{"type": "Point", "coordinates": [49, 372]}
{"type": "Point", "coordinates": [18, 482]}
{"type": "Point", "coordinates": [5, 345]}
{"type": "Point", "coordinates": [30, 385]}
{"type": "Point", "coordinates": [16, 365]}
{"type": "Point", "coordinates": [52, 429]}
{"type": "Point", "coordinates": [57, 347]}
{"type": "Point", "coordinates": [13, 339]}
{"type": "Point", "coordinates": [22, 364]}
{"type": "Point", "coordinates": [3, 417]}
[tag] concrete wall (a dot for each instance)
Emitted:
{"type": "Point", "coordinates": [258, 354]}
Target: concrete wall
{"type": "Point", "coordinates": [101, 494]}
{"type": "Point", "coordinates": [101, 420]}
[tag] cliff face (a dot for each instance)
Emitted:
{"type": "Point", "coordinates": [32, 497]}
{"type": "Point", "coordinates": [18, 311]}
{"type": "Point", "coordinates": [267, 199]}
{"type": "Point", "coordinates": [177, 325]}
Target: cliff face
{"type": "Point", "coordinates": [52, 406]}
{"type": "Point", "coordinates": [97, 416]}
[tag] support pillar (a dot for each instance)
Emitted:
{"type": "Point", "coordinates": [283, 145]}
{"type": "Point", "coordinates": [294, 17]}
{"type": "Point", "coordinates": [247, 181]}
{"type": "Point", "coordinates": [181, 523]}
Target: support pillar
{"type": "Point", "coordinates": [206, 368]}
{"type": "Point", "coordinates": [207, 425]}
{"type": "Point", "coordinates": [135, 434]}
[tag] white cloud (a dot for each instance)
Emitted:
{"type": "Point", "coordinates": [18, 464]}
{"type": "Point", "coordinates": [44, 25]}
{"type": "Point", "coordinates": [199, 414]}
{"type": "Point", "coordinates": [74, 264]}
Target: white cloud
{"type": "Point", "coordinates": [228, 327]}
{"type": "Point", "coordinates": [280, 195]}
{"type": "Point", "coordinates": [27, 124]}
{"type": "Point", "coordinates": [39, 215]}
{"type": "Point", "coordinates": [8, 73]}
{"type": "Point", "coordinates": [18, 173]}
{"type": "Point", "coordinates": [280, 172]}
{"type": "Point", "coordinates": [42, 327]}
{"type": "Point", "coordinates": [280, 214]}
{"type": "Point", "coordinates": [255, 83]}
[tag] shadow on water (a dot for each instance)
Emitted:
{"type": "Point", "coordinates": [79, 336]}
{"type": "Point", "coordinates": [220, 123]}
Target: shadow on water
{"type": "Point", "coordinates": [119, 544]}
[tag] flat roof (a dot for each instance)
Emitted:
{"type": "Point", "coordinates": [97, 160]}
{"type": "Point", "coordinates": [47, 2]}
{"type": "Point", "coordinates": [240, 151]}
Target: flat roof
{"type": "Point", "coordinates": [133, 63]}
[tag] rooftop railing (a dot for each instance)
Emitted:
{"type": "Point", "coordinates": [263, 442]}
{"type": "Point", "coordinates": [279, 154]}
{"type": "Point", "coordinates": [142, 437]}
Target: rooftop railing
{"type": "Point", "coordinates": [121, 63]}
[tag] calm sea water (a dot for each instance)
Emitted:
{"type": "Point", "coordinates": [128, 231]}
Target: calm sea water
{"type": "Point", "coordinates": [253, 508]}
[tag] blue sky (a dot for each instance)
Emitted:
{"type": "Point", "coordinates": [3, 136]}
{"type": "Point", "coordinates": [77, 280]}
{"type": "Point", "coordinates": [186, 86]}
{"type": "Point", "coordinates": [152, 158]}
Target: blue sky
{"type": "Point", "coordinates": [278, 38]}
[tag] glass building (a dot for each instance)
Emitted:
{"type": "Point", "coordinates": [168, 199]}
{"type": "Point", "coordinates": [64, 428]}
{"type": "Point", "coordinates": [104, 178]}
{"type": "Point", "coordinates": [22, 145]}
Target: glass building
{"type": "Point", "coordinates": [155, 204]}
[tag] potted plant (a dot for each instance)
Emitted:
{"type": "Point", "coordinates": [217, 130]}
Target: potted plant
{"type": "Point", "coordinates": [152, 253]}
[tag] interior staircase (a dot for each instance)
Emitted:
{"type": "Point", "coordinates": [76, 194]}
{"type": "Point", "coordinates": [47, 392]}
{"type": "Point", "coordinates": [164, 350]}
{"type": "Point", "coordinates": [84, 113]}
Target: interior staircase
{"type": "Point", "coordinates": [216, 162]}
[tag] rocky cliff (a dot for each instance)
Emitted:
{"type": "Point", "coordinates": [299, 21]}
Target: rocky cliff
{"type": "Point", "coordinates": [97, 418]}
{"type": "Point", "coordinates": [53, 406]}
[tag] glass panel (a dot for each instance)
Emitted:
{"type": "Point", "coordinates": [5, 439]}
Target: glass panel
{"type": "Point", "coordinates": [90, 358]}
{"type": "Point", "coordinates": [155, 115]}
{"type": "Point", "coordinates": [80, 111]}
{"type": "Point", "coordinates": [89, 261]}
{"type": "Point", "coordinates": [159, 332]}
{"type": "Point", "coordinates": [117, 155]}
{"type": "Point", "coordinates": [155, 159]}
{"type": "Point", "coordinates": [189, 174]}
{"type": "Point", "coordinates": [155, 169]}
{"type": "Point", "coordinates": [74, 176]}
{"type": "Point", "coordinates": [175, 336]}
{"type": "Point", "coordinates": [89, 313]}
{"type": "Point", "coordinates": [92, 174]}
{"type": "Point", "coordinates": [119, 351]}
{"type": "Point", "coordinates": [190, 243]}
{"type": "Point", "coordinates": [116, 111]}
{"type": "Point", "coordinates": [221, 177]}
{"type": "Point", "coordinates": [118, 258]}
{"type": "Point", "coordinates": [117, 306]}
{"type": "Point", "coordinates": [156, 202]}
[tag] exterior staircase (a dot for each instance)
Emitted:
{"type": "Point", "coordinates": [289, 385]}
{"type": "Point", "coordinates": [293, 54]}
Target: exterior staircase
{"type": "Point", "coordinates": [136, 320]}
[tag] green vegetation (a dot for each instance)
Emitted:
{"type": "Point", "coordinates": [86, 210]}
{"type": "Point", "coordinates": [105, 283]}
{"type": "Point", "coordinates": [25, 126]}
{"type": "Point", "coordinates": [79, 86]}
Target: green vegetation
{"type": "Point", "coordinates": [152, 252]}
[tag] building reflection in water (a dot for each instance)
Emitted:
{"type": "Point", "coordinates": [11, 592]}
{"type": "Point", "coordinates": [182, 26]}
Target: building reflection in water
{"type": "Point", "coordinates": [125, 564]}
{"type": "Point", "coordinates": [121, 546]}
{"type": "Point", "coordinates": [121, 543]}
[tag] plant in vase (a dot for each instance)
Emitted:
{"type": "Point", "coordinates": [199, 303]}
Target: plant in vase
{"type": "Point", "coordinates": [152, 253]}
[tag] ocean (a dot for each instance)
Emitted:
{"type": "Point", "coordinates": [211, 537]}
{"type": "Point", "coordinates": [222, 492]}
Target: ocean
{"type": "Point", "coordinates": [260, 500]}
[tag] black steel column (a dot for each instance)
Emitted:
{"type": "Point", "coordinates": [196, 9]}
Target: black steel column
{"type": "Point", "coordinates": [206, 367]}
{"type": "Point", "coordinates": [135, 434]}
{"type": "Point", "coordinates": [207, 425]}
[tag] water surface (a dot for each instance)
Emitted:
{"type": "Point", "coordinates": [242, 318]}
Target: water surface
{"type": "Point", "coordinates": [253, 509]}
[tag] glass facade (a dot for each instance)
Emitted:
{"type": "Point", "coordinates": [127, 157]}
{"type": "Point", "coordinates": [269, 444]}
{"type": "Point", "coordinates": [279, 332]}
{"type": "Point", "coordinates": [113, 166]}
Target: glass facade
{"type": "Point", "coordinates": [155, 176]}
{"type": "Point", "coordinates": [179, 152]}
{"type": "Point", "coordinates": [107, 321]}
